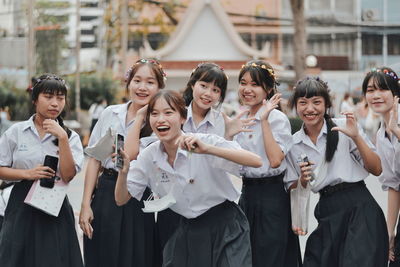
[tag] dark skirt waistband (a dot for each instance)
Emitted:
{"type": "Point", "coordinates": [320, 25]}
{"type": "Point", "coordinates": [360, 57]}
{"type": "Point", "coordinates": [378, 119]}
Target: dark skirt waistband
{"type": "Point", "coordinates": [110, 174]}
{"type": "Point", "coordinates": [331, 189]}
{"type": "Point", "coordinates": [263, 180]}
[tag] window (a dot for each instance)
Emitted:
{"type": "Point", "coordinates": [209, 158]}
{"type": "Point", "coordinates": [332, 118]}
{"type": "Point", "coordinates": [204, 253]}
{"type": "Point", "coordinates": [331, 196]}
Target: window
{"type": "Point", "coordinates": [372, 44]}
{"type": "Point", "coordinates": [394, 44]}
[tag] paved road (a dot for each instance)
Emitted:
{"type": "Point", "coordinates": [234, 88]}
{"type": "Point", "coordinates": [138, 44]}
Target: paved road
{"type": "Point", "coordinates": [76, 191]}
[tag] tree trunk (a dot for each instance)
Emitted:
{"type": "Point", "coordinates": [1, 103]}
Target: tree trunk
{"type": "Point", "coordinates": [299, 38]}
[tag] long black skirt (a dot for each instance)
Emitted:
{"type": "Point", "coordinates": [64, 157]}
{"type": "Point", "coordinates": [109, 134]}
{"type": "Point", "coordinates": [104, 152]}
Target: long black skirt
{"type": "Point", "coordinates": [218, 238]}
{"type": "Point", "coordinates": [122, 236]}
{"type": "Point", "coordinates": [351, 231]}
{"type": "Point", "coordinates": [267, 207]}
{"type": "Point", "coordinates": [32, 238]}
{"type": "Point", "coordinates": [166, 225]}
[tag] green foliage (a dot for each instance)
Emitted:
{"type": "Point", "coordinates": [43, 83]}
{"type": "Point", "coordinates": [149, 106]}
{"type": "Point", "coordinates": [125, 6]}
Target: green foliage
{"type": "Point", "coordinates": [16, 99]}
{"type": "Point", "coordinates": [93, 86]}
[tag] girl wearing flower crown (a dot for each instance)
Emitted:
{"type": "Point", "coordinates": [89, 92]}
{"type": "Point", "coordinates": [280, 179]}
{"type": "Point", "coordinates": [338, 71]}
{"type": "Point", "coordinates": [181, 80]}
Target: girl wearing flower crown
{"type": "Point", "coordinates": [264, 199]}
{"type": "Point", "coordinates": [119, 236]}
{"type": "Point", "coordinates": [381, 89]}
{"type": "Point", "coordinates": [351, 226]}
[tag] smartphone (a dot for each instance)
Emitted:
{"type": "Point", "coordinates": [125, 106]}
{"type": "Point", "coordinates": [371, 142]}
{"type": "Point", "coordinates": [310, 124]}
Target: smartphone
{"type": "Point", "coordinates": [51, 162]}
{"type": "Point", "coordinates": [304, 158]}
{"type": "Point", "coordinates": [119, 144]}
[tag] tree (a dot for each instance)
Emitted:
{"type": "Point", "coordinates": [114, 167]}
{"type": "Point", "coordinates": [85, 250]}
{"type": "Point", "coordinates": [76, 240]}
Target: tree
{"type": "Point", "coordinates": [299, 38]}
{"type": "Point", "coordinates": [50, 36]}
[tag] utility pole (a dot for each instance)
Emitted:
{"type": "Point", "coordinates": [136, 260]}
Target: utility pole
{"type": "Point", "coordinates": [78, 58]}
{"type": "Point", "coordinates": [31, 41]}
{"type": "Point", "coordinates": [124, 35]}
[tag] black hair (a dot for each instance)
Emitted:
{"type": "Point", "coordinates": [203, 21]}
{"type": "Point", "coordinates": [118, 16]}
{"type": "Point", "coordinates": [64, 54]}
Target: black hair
{"type": "Point", "coordinates": [384, 78]}
{"type": "Point", "coordinates": [54, 85]}
{"type": "Point", "coordinates": [308, 88]}
{"type": "Point", "coordinates": [262, 74]}
{"type": "Point", "coordinates": [206, 72]}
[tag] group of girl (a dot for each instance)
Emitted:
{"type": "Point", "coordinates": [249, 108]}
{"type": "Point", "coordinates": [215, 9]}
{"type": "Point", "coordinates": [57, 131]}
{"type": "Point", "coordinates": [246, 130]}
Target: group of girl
{"type": "Point", "coordinates": [180, 149]}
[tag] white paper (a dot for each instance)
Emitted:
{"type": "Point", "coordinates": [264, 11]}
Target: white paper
{"type": "Point", "coordinates": [103, 148]}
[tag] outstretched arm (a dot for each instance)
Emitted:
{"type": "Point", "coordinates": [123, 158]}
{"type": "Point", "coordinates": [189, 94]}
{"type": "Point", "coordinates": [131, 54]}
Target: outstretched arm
{"type": "Point", "coordinates": [132, 142]}
{"type": "Point", "coordinates": [239, 156]}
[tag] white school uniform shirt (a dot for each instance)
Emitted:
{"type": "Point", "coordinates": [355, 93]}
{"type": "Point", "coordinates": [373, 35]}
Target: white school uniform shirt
{"type": "Point", "coordinates": [22, 148]}
{"type": "Point", "coordinates": [389, 152]}
{"type": "Point", "coordinates": [345, 166]}
{"type": "Point", "coordinates": [115, 117]}
{"type": "Point", "coordinates": [198, 181]}
{"type": "Point", "coordinates": [254, 142]}
{"type": "Point", "coordinates": [213, 123]}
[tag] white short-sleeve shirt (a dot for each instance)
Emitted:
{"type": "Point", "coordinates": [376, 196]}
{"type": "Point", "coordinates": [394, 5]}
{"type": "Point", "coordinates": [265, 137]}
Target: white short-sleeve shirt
{"type": "Point", "coordinates": [213, 123]}
{"type": "Point", "coordinates": [389, 152]}
{"type": "Point", "coordinates": [345, 166]}
{"type": "Point", "coordinates": [199, 181]}
{"type": "Point", "coordinates": [115, 117]}
{"type": "Point", "coordinates": [22, 148]}
{"type": "Point", "coordinates": [254, 142]}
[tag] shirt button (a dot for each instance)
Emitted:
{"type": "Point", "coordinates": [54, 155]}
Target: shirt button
{"type": "Point", "coordinates": [191, 181]}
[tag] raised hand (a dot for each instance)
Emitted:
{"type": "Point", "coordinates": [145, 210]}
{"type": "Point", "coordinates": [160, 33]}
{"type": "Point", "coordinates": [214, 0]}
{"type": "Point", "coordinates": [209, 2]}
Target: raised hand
{"type": "Point", "coordinates": [192, 144]}
{"type": "Point", "coordinates": [53, 128]}
{"type": "Point", "coordinates": [142, 112]}
{"type": "Point", "coordinates": [393, 125]}
{"type": "Point", "coordinates": [237, 125]}
{"type": "Point", "coordinates": [38, 172]}
{"type": "Point", "coordinates": [351, 129]}
{"type": "Point", "coordinates": [270, 104]}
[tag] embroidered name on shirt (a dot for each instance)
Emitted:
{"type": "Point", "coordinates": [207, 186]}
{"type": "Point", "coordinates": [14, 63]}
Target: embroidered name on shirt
{"type": "Point", "coordinates": [23, 147]}
{"type": "Point", "coordinates": [164, 178]}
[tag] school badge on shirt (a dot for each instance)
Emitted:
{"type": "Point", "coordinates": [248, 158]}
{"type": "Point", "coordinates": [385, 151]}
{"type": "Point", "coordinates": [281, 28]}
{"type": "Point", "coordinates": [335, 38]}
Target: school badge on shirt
{"type": "Point", "coordinates": [23, 147]}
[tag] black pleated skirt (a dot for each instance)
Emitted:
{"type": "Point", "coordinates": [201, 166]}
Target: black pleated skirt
{"type": "Point", "coordinates": [32, 238]}
{"type": "Point", "coordinates": [267, 207]}
{"type": "Point", "coordinates": [218, 238]}
{"type": "Point", "coordinates": [166, 225]}
{"type": "Point", "coordinates": [351, 231]}
{"type": "Point", "coordinates": [122, 236]}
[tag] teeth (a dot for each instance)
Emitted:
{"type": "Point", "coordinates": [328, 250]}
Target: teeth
{"type": "Point", "coordinates": [163, 128]}
{"type": "Point", "coordinates": [143, 95]}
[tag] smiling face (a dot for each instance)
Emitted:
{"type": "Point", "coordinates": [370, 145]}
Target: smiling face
{"type": "Point", "coordinates": [380, 100]}
{"type": "Point", "coordinates": [143, 85]}
{"type": "Point", "coordinates": [250, 93]}
{"type": "Point", "coordinates": [205, 94]}
{"type": "Point", "coordinates": [166, 121]}
{"type": "Point", "coordinates": [311, 110]}
{"type": "Point", "coordinates": [49, 106]}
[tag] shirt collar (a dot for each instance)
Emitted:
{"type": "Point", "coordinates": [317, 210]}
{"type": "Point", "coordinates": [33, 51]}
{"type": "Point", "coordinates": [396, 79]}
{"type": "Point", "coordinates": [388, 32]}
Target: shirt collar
{"type": "Point", "coordinates": [29, 124]}
{"type": "Point", "coordinates": [301, 135]}
{"type": "Point", "coordinates": [211, 116]}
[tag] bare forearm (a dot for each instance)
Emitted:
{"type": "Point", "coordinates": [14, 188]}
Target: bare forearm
{"type": "Point", "coordinates": [67, 163]}
{"type": "Point", "coordinates": [11, 174]}
{"type": "Point", "coordinates": [393, 210]}
{"type": "Point", "coordinates": [92, 172]}
{"type": "Point", "coordinates": [272, 149]}
{"type": "Point", "coordinates": [239, 156]}
{"type": "Point", "coordinates": [132, 139]}
{"type": "Point", "coordinates": [372, 162]}
{"type": "Point", "coordinates": [122, 195]}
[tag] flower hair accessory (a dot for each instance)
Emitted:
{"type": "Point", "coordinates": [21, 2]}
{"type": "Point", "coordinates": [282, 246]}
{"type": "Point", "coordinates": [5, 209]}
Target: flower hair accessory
{"type": "Point", "coordinates": [145, 61]}
{"type": "Point", "coordinates": [46, 78]}
{"type": "Point", "coordinates": [262, 66]}
{"type": "Point", "coordinates": [209, 63]}
{"type": "Point", "coordinates": [387, 72]}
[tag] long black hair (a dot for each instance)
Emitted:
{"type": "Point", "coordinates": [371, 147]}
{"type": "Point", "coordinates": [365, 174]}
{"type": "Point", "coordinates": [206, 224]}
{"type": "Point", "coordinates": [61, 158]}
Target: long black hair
{"type": "Point", "coordinates": [383, 78]}
{"type": "Point", "coordinates": [207, 72]}
{"type": "Point", "coordinates": [314, 86]}
{"type": "Point", "coordinates": [54, 85]}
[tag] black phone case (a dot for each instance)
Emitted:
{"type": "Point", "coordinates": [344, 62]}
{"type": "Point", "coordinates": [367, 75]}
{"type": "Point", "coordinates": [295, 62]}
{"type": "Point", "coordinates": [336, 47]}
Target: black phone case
{"type": "Point", "coordinates": [51, 162]}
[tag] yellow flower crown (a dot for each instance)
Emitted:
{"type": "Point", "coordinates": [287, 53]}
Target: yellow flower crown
{"type": "Point", "coordinates": [263, 66]}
